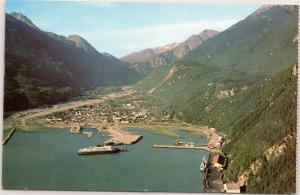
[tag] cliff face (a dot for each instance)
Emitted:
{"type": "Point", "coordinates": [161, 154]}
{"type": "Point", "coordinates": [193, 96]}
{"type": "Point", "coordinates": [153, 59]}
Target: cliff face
{"type": "Point", "coordinates": [192, 42]}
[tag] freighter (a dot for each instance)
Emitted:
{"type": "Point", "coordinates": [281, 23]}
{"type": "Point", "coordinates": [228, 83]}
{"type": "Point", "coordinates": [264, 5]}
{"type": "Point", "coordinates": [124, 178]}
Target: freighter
{"type": "Point", "coordinates": [98, 150]}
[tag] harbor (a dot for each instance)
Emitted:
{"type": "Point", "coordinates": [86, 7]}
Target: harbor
{"type": "Point", "coordinates": [106, 136]}
{"type": "Point", "coordinates": [119, 172]}
{"type": "Point", "coordinates": [103, 129]}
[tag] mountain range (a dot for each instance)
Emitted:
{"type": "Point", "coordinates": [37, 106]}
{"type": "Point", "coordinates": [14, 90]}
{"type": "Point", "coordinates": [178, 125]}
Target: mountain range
{"type": "Point", "coordinates": [146, 60]}
{"type": "Point", "coordinates": [45, 68]}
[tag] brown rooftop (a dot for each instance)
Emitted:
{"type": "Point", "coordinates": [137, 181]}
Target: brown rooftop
{"type": "Point", "coordinates": [218, 159]}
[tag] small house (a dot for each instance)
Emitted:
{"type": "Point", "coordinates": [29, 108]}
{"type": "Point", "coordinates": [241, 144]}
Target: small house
{"type": "Point", "coordinates": [232, 188]}
{"type": "Point", "coordinates": [218, 161]}
{"type": "Point", "coordinates": [103, 114]}
{"type": "Point", "coordinates": [116, 118]}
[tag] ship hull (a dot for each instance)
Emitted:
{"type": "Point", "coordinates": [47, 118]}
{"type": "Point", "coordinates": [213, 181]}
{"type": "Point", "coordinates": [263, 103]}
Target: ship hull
{"type": "Point", "coordinates": [115, 150]}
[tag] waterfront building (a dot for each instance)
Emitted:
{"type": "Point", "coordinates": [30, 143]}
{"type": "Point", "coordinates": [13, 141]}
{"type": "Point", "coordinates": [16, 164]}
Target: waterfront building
{"type": "Point", "coordinates": [218, 161]}
{"type": "Point", "coordinates": [232, 188]}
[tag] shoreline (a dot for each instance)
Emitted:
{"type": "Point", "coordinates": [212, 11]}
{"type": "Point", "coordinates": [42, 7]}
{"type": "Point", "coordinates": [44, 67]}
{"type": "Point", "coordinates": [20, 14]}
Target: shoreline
{"type": "Point", "coordinates": [166, 128]}
{"type": "Point", "coordinates": [116, 130]}
{"type": "Point", "coordinates": [121, 132]}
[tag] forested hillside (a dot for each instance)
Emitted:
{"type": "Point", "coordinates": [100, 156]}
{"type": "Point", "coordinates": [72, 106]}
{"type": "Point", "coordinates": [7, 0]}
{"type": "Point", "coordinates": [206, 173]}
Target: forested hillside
{"type": "Point", "coordinates": [44, 68]}
{"type": "Point", "coordinates": [243, 82]}
{"type": "Point", "coordinates": [264, 42]}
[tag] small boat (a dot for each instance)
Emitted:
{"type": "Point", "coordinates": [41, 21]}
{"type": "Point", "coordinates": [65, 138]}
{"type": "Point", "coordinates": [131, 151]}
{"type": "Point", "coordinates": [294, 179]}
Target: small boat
{"type": "Point", "coordinates": [203, 164]}
{"type": "Point", "coordinates": [98, 150]}
{"type": "Point", "coordinates": [178, 142]}
{"type": "Point", "coordinates": [189, 144]}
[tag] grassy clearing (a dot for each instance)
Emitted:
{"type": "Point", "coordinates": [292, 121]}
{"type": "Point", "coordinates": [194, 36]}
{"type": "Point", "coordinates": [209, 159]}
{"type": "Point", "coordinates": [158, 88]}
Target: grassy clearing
{"type": "Point", "coordinates": [31, 128]}
{"type": "Point", "coordinates": [166, 128]}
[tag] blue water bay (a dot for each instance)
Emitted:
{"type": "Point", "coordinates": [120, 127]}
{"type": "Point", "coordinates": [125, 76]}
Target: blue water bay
{"type": "Point", "coordinates": [48, 160]}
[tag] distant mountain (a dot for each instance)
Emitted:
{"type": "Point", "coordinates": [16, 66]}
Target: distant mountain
{"type": "Point", "coordinates": [264, 42]}
{"type": "Point", "coordinates": [148, 59]}
{"type": "Point", "coordinates": [192, 42]}
{"type": "Point", "coordinates": [148, 54]}
{"type": "Point", "coordinates": [46, 68]}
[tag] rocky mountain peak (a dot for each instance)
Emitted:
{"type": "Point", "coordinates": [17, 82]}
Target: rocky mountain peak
{"type": "Point", "coordinates": [23, 18]}
{"type": "Point", "coordinates": [158, 50]}
{"type": "Point", "coordinates": [81, 43]}
{"type": "Point", "coordinates": [266, 7]}
{"type": "Point", "coordinates": [208, 33]}
{"type": "Point", "coordinates": [193, 42]}
{"type": "Point", "coordinates": [75, 38]}
{"type": "Point", "coordinates": [263, 8]}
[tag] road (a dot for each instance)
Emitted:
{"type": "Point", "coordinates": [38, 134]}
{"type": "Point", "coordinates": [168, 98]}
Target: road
{"type": "Point", "coordinates": [30, 114]}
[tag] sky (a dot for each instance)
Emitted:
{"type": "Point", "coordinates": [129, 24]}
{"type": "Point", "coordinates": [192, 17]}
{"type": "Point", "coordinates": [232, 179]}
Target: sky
{"type": "Point", "coordinates": [122, 28]}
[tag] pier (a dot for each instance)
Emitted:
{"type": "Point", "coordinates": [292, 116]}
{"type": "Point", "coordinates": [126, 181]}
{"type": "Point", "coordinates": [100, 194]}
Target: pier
{"type": "Point", "coordinates": [202, 147]}
{"type": "Point", "coordinates": [120, 136]}
{"type": "Point", "coordinates": [8, 136]}
{"type": "Point", "coordinates": [125, 139]}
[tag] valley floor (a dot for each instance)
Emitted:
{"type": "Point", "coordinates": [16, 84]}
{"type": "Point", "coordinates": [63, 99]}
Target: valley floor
{"type": "Point", "coordinates": [32, 118]}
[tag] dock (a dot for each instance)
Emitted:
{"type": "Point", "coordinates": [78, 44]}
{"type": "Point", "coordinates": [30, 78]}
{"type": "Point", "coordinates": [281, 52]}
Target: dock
{"type": "Point", "coordinates": [182, 147]}
{"type": "Point", "coordinates": [9, 136]}
{"type": "Point", "coordinates": [120, 136]}
{"type": "Point", "coordinates": [125, 139]}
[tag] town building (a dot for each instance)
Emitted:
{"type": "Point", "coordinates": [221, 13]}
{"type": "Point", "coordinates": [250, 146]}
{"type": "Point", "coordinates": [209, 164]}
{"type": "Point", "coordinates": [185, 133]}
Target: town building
{"type": "Point", "coordinates": [232, 188]}
{"type": "Point", "coordinates": [218, 161]}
